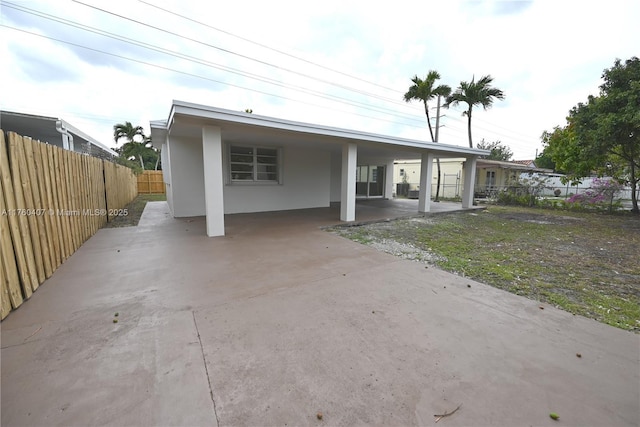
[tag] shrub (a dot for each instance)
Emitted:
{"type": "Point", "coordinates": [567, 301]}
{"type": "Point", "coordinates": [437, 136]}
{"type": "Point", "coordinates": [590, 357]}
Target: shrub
{"type": "Point", "coordinates": [524, 190]}
{"type": "Point", "coordinates": [601, 194]}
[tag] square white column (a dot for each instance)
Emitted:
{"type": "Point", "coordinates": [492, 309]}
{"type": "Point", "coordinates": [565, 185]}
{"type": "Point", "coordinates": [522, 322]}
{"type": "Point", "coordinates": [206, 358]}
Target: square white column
{"type": "Point", "coordinates": [426, 176]}
{"type": "Point", "coordinates": [469, 182]}
{"type": "Point", "coordinates": [348, 182]}
{"type": "Point", "coordinates": [388, 180]}
{"type": "Point", "coordinates": [213, 180]}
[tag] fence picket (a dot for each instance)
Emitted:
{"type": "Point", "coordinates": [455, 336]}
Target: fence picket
{"type": "Point", "coordinates": [30, 275]}
{"type": "Point", "coordinates": [10, 278]}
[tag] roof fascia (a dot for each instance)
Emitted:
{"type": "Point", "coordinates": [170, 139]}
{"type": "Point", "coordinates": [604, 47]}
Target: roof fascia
{"type": "Point", "coordinates": [219, 114]}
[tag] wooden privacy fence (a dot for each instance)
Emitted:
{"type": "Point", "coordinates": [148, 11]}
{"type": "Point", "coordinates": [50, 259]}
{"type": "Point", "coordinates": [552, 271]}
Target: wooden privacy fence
{"type": "Point", "coordinates": [51, 201]}
{"type": "Point", "coordinates": [150, 182]}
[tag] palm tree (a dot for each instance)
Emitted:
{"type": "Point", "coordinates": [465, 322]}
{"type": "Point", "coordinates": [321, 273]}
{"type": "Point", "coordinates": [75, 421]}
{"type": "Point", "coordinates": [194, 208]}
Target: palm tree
{"type": "Point", "coordinates": [474, 93]}
{"type": "Point", "coordinates": [131, 148]}
{"type": "Point", "coordinates": [424, 90]}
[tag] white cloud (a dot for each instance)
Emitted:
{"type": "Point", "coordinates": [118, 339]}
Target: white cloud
{"type": "Point", "coordinates": [546, 55]}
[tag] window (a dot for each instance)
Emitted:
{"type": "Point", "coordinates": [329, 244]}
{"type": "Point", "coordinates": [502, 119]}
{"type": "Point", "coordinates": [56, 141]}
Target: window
{"type": "Point", "coordinates": [491, 179]}
{"type": "Point", "coordinates": [252, 164]}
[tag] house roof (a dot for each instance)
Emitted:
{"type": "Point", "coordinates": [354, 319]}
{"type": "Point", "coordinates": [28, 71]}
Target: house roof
{"type": "Point", "coordinates": [515, 165]}
{"type": "Point", "coordinates": [43, 128]}
{"type": "Point", "coordinates": [186, 119]}
{"type": "Point", "coordinates": [530, 163]}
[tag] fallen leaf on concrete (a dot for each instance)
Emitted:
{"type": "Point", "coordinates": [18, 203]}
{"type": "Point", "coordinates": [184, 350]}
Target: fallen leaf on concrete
{"type": "Point", "coordinates": [319, 415]}
{"type": "Point", "coordinates": [446, 414]}
{"type": "Point", "coordinates": [578, 355]}
{"type": "Point", "coordinates": [554, 416]}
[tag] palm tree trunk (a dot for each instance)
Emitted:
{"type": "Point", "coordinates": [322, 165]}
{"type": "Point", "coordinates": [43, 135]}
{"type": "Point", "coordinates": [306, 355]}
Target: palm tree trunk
{"type": "Point", "coordinates": [437, 198]}
{"type": "Point", "coordinates": [141, 162]}
{"type": "Point", "coordinates": [469, 128]}
{"type": "Point", "coordinates": [426, 111]}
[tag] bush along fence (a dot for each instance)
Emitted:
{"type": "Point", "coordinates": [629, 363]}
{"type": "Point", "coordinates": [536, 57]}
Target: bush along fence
{"type": "Point", "coordinates": [51, 201]}
{"type": "Point", "coordinates": [151, 182]}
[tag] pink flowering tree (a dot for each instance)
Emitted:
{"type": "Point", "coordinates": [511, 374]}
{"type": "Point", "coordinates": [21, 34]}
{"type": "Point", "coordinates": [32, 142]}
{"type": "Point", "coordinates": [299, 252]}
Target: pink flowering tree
{"type": "Point", "coordinates": [602, 192]}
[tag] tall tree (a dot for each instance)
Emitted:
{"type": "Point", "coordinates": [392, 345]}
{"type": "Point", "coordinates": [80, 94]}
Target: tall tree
{"type": "Point", "coordinates": [603, 135]}
{"type": "Point", "coordinates": [474, 93]}
{"type": "Point", "coordinates": [499, 151]}
{"type": "Point", "coordinates": [424, 91]}
{"type": "Point", "coordinates": [131, 148]}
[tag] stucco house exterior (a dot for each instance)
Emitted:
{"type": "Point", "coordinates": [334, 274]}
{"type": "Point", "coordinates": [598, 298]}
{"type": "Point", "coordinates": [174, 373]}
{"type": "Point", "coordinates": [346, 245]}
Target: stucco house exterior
{"type": "Point", "coordinates": [218, 162]}
{"type": "Point", "coordinates": [494, 175]}
{"type": "Point", "coordinates": [491, 175]}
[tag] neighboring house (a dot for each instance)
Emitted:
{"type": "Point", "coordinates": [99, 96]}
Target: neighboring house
{"type": "Point", "coordinates": [494, 175]}
{"type": "Point", "coordinates": [54, 131]}
{"type": "Point", "coordinates": [451, 177]}
{"type": "Point", "coordinates": [528, 163]}
{"type": "Point", "coordinates": [219, 162]}
{"type": "Point", "coordinates": [491, 175]}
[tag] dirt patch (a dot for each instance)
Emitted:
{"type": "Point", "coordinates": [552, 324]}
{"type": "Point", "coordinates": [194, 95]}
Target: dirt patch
{"type": "Point", "coordinates": [537, 218]}
{"type": "Point", "coordinates": [585, 263]}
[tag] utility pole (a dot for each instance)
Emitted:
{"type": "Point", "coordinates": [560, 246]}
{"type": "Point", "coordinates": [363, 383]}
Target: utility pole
{"type": "Point", "coordinates": [437, 198]}
{"type": "Point", "coordinates": [438, 119]}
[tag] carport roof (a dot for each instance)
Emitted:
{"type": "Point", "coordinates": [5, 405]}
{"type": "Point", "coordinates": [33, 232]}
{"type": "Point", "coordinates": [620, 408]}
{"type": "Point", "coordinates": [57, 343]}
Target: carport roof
{"type": "Point", "coordinates": [186, 119]}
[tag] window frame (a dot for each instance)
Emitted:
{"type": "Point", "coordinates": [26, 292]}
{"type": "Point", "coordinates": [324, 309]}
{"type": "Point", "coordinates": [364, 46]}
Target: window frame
{"type": "Point", "coordinates": [254, 165]}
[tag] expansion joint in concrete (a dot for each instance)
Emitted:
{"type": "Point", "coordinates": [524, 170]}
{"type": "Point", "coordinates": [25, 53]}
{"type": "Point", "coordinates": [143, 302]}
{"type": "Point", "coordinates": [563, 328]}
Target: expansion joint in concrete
{"type": "Point", "coordinates": [204, 361]}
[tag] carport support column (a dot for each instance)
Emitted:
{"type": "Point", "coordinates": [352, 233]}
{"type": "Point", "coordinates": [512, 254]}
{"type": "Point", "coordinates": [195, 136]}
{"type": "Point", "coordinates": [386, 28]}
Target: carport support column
{"type": "Point", "coordinates": [213, 180]}
{"type": "Point", "coordinates": [469, 182]}
{"type": "Point", "coordinates": [348, 183]}
{"type": "Point", "coordinates": [426, 173]}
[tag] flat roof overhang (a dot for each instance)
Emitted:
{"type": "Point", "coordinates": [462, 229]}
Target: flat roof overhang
{"type": "Point", "coordinates": [187, 119]}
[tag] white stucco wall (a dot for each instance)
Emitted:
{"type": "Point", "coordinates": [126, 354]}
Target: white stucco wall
{"type": "Point", "coordinates": [336, 176]}
{"type": "Point", "coordinates": [187, 177]}
{"type": "Point", "coordinates": [306, 183]}
{"type": "Point", "coordinates": [166, 173]}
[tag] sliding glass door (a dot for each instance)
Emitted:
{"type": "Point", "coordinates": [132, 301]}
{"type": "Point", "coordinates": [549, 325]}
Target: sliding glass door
{"type": "Point", "coordinates": [370, 181]}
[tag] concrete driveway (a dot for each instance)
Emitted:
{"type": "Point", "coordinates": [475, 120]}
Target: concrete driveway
{"type": "Point", "coordinates": [280, 321]}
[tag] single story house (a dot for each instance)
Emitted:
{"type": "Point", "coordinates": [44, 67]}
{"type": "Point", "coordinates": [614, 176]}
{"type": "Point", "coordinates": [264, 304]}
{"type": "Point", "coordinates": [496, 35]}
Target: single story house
{"type": "Point", "coordinates": [219, 162]}
{"type": "Point", "coordinates": [491, 175]}
{"type": "Point", "coordinates": [56, 132]}
{"type": "Point", "coordinates": [494, 175]}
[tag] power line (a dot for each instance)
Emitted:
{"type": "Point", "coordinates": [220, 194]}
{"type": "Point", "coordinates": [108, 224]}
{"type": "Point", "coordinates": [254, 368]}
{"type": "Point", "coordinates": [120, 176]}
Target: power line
{"type": "Point", "coordinates": [239, 72]}
{"type": "Point", "coordinates": [197, 76]}
{"type": "Point", "coordinates": [301, 59]}
{"type": "Point", "coordinates": [208, 63]}
{"type": "Point", "coordinates": [233, 53]}
{"type": "Point", "coordinates": [266, 47]}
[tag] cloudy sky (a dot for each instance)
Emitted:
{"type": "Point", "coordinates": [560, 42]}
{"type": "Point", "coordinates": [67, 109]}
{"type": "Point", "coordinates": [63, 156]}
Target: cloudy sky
{"type": "Point", "coordinates": [95, 63]}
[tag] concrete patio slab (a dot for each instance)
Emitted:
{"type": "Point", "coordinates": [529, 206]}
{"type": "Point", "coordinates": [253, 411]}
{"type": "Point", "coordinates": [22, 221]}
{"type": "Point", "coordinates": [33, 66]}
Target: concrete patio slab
{"type": "Point", "coordinates": [280, 320]}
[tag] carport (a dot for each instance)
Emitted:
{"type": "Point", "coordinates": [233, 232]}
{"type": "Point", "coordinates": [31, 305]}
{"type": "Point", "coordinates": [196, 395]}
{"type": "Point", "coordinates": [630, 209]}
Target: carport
{"type": "Point", "coordinates": [219, 162]}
